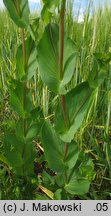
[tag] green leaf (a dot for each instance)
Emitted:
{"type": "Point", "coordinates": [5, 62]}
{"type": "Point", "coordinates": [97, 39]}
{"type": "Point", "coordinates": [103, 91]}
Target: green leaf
{"type": "Point", "coordinates": [57, 194]}
{"type": "Point", "coordinates": [80, 176]}
{"type": "Point", "coordinates": [16, 103]}
{"type": "Point", "coordinates": [78, 186]}
{"type": "Point", "coordinates": [53, 148]}
{"type": "Point", "coordinates": [19, 89]}
{"type": "Point", "coordinates": [32, 63]}
{"type": "Point", "coordinates": [69, 66]}
{"type": "Point", "coordinates": [31, 60]}
{"type": "Point", "coordinates": [13, 151]}
{"type": "Point", "coordinates": [17, 94]}
{"type": "Point", "coordinates": [77, 102]}
{"type": "Point", "coordinates": [20, 155]}
{"type": "Point", "coordinates": [19, 11]}
{"type": "Point", "coordinates": [17, 97]}
{"type": "Point", "coordinates": [20, 63]}
{"type": "Point", "coordinates": [98, 73]}
{"type": "Point", "coordinates": [33, 131]}
{"type": "Point", "coordinates": [48, 59]}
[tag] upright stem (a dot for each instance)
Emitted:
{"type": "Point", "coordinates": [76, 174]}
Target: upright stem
{"type": "Point", "coordinates": [25, 84]}
{"type": "Point", "coordinates": [61, 51]}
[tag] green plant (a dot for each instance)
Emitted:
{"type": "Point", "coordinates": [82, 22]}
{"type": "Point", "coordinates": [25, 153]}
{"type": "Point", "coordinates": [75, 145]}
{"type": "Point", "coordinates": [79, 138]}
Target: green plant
{"type": "Point", "coordinates": [18, 146]}
{"type": "Point", "coordinates": [57, 56]}
{"type": "Point", "coordinates": [74, 95]}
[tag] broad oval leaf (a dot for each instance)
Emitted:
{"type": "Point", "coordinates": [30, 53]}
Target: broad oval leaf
{"type": "Point", "coordinates": [20, 155]}
{"type": "Point", "coordinates": [77, 102]}
{"type": "Point", "coordinates": [48, 59]}
{"type": "Point", "coordinates": [80, 176]}
{"type": "Point", "coordinates": [19, 11]}
{"type": "Point", "coordinates": [17, 94]}
{"type": "Point", "coordinates": [53, 148]}
{"type": "Point", "coordinates": [78, 186]}
{"type": "Point", "coordinates": [31, 60]}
